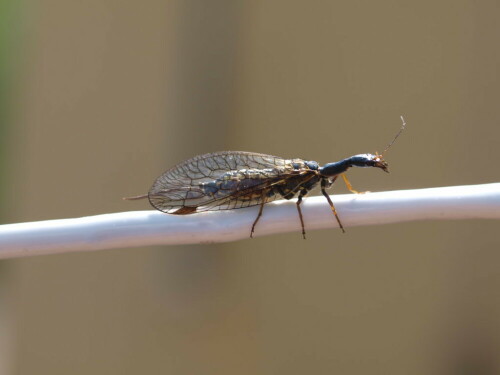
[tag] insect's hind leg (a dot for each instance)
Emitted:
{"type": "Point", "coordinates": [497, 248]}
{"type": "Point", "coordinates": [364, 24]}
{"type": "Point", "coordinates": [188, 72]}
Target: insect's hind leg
{"type": "Point", "coordinates": [323, 191]}
{"type": "Point", "coordinates": [261, 208]}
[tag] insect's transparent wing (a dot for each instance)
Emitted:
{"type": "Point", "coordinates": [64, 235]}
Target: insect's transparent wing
{"type": "Point", "coordinates": [204, 168]}
{"type": "Point", "coordinates": [179, 190]}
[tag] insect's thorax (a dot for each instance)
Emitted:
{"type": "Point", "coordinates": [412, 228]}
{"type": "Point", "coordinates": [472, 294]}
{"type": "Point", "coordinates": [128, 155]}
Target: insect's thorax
{"type": "Point", "coordinates": [361, 160]}
{"type": "Point", "coordinates": [295, 185]}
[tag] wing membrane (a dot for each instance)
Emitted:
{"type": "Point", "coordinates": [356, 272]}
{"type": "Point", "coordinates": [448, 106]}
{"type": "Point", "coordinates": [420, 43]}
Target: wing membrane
{"type": "Point", "coordinates": [179, 189]}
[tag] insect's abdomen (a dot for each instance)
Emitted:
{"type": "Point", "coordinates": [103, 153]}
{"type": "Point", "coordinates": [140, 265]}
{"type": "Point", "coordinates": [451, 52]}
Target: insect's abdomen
{"type": "Point", "coordinates": [241, 180]}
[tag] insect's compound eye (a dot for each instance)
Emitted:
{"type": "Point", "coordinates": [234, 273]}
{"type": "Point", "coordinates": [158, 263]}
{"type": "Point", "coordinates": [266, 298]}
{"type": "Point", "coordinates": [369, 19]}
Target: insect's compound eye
{"type": "Point", "coordinates": [378, 162]}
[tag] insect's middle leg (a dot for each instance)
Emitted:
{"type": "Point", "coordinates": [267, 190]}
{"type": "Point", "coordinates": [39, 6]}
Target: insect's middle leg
{"type": "Point", "coordinates": [323, 191]}
{"type": "Point", "coordinates": [299, 201]}
{"type": "Point", "coordinates": [261, 208]}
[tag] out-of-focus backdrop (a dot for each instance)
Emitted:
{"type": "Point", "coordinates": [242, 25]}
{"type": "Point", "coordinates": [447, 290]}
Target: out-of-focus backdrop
{"type": "Point", "coordinates": [99, 97]}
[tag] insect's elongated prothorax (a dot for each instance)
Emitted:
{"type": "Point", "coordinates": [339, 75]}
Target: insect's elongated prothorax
{"type": "Point", "coordinates": [361, 160]}
{"type": "Point", "coordinates": [236, 179]}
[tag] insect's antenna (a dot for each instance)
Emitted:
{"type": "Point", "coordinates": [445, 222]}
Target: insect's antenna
{"type": "Point", "coordinates": [397, 135]}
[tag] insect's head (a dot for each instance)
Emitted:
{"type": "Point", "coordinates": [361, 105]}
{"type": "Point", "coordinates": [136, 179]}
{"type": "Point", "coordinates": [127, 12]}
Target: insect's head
{"type": "Point", "coordinates": [377, 160]}
{"type": "Point", "coordinates": [362, 160]}
{"type": "Point", "coordinates": [369, 160]}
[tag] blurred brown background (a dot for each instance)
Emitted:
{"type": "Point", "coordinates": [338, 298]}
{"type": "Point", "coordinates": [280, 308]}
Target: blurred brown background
{"type": "Point", "coordinates": [100, 97]}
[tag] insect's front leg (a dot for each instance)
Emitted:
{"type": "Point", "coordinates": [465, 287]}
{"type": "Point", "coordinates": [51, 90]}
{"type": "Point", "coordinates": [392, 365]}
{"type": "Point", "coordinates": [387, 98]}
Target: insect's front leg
{"type": "Point", "coordinates": [349, 186]}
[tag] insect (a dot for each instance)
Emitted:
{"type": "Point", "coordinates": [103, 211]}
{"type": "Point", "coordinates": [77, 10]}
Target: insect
{"type": "Point", "coordinates": [235, 179]}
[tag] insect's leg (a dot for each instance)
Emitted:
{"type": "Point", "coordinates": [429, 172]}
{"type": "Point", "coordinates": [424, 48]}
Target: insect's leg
{"type": "Point", "coordinates": [323, 191]}
{"type": "Point", "coordinates": [263, 197]}
{"type": "Point", "coordinates": [299, 201]}
{"type": "Point", "coordinates": [349, 186]}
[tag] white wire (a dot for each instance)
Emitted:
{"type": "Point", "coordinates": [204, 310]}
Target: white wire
{"type": "Point", "coordinates": [146, 228]}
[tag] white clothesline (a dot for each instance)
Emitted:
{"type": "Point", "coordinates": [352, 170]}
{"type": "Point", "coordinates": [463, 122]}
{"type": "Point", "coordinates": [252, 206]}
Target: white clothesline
{"type": "Point", "coordinates": [147, 228]}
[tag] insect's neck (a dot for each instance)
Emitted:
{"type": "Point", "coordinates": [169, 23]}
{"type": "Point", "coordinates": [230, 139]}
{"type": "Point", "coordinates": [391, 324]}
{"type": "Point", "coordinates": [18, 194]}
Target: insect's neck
{"type": "Point", "coordinates": [334, 169]}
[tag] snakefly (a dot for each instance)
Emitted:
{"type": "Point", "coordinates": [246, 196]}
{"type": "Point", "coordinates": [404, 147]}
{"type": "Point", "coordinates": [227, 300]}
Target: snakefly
{"type": "Point", "coordinates": [235, 179]}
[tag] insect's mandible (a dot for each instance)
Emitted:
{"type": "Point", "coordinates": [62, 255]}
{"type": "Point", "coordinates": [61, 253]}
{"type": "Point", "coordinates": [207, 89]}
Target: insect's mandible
{"type": "Point", "coordinates": [235, 179]}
